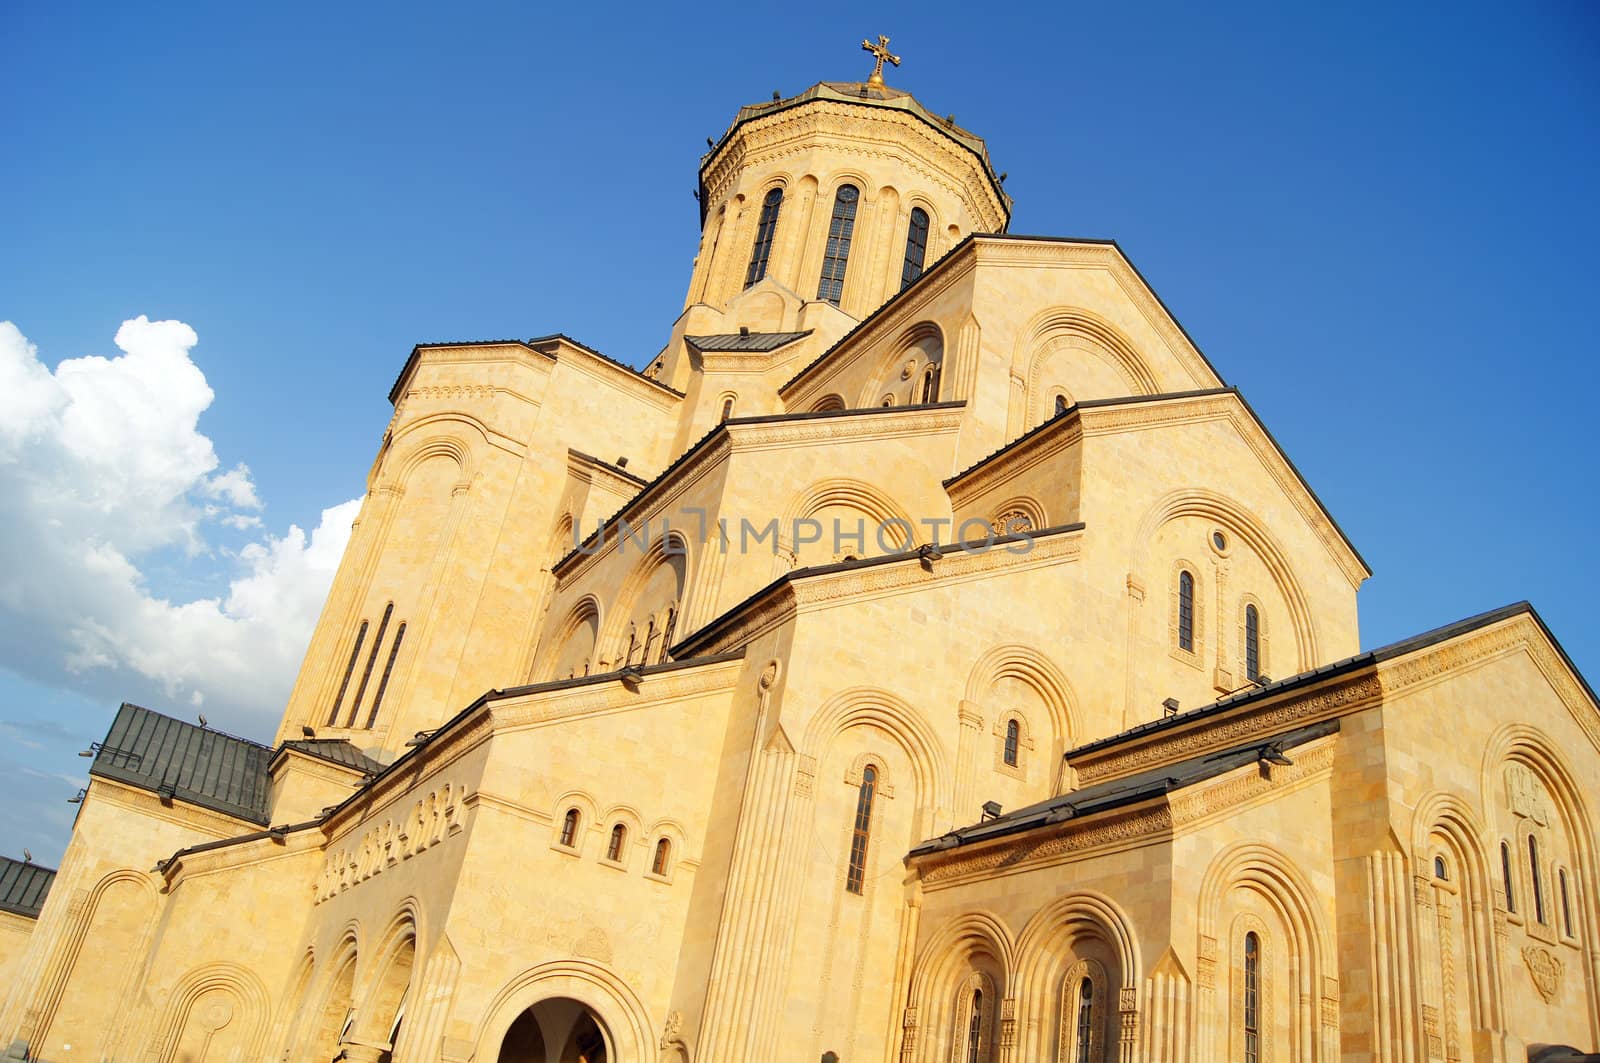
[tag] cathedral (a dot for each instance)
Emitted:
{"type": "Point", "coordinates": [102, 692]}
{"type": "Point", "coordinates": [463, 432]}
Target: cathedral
{"type": "Point", "coordinates": [927, 656]}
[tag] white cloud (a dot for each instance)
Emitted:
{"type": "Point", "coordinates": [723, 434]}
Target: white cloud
{"type": "Point", "coordinates": [102, 463]}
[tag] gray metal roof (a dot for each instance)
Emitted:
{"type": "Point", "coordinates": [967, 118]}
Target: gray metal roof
{"type": "Point", "coordinates": [336, 751]}
{"type": "Point", "coordinates": [24, 886]}
{"type": "Point", "coordinates": [186, 762]}
{"type": "Point", "coordinates": [1125, 791]}
{"type": "Point", "coordinates": [745, 341]}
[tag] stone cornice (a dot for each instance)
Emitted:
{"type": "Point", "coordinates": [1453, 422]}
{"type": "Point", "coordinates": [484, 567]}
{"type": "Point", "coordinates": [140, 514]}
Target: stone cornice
{"type": "Point", "coordinates": [1123, 828]}
{"type": "Point", "coordinates": [807, 590]}
{"type": "Point", "coordinates": [853, 129]}
{"type": "Point", "coordinates": [493, 351]}
{"type": "Point", "coordinates": [251, 852]}
{"type": "Point", "coordinates": [591, 699]}
{"type": "Point", "coordinates": [177, 812]}
{"type": "Point", "coordinates": [601, 368]}
{"type": "Point", "coordinates": [886, 423]}
{"type": "Point", "coordinates": [1248, 786]}
{"type": "Point", "coordinates": [591, 470]}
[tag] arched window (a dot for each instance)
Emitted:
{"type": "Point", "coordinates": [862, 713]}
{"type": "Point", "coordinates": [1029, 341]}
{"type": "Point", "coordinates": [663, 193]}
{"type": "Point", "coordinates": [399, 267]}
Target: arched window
{"type": "Point", "coordinates": [619, 834]}
{"type": "Point", "coordinates": [727, 409]}
{"type": "Point", "coordinates": [1438, 869]}
{"type": "Point", "coordinates": [916, 247]}
{"type": "Point", "coordinates": [1013, 735]}
{"type": "Point", "coordinates": [1085, 1021]}
{"type": "Point", "coordinates": [633, 645]}
{"type": "Point", "coordinates": [1505, 871]}
{"type": "Point", "coordinates": [569, 829]}
{"type": "Point", "coordinates": [349, 670]}
{"type": "Point", "coordinates": [1252, 643]}
{"type": "Point", "coordinates": [765, 228]}
{"type": "Point", "coordinates": [930, 384]}
{"type": "Point", "coordinates": [975, 1027]}
{"type": "Point", "coordinates": [1186, 611]}
{"type": "Point", "coordinates": [857, 875]}
{"type": "Point", "coordinates": [666, 630]}
{"type": "Point", "coordinates": [663, 853]}
{"type": "Point", "coordinates": [1252, 998]}
{"type": "Point", "coordinates": [1566, 903]}
{"type": "Point", "coordinates": [837, 255]}
{"type": "Point", "coordinates": [1061, 405]}
{"type": "Point", "coordinates": [1538, 883]}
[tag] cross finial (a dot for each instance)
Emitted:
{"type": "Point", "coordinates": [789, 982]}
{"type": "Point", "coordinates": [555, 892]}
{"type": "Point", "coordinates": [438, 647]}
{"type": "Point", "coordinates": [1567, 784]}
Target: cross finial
{"type": "Point", "coordinates": [880, 52]}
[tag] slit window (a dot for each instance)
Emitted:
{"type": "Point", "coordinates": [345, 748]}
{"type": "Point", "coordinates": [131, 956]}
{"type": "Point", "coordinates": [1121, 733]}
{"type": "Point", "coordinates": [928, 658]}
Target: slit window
{"type": "Point", "coordinates": [1013, 739]}
{"type": "Point", "coordinates": [383, 683]}
{"type": "Point", "coordinates": [1505, 872]}
{"type": "Point", "coordinates": [1566, 903]}
{"type": "Point", "coordinates": [1252, 643]}
{"type": "Point", "coordinates": [349, 670]}
{"type": "Point", "coordinates": [855, 880]}
{"type": "Point", "coordinates": [930, 384]}
{"type": "Point", "coordinates": [830, 287]}
{"type": "Point", "coordinates": [372, 659]}
{"type": "Point", "coordinates": [1186, 611]}
{"type": "Point", "coordinates": [916, 248]}
{"type": "Point", "coordinates": [1085, 1020]}
{"type": "Point", "coordinates": [569, 829]}
{"type": "Point", "coordinates": [975, 1027]}
{"type": "Point", "coordinates": [765, 229]}
{"type": "Point", "coordinates": [1252, 998]}
{"type": "Point", "coordinates": [1538, 883]}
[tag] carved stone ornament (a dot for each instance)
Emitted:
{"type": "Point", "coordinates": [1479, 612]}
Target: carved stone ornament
{"type": "Point", "coordinates": [672, 1033]}
{"type": "Point", "coordinates": [1545, 968]}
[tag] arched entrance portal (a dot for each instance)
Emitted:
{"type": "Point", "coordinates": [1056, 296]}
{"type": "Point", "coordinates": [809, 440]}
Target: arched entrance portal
{"type": "Point", "coordinates": [557, 1030]}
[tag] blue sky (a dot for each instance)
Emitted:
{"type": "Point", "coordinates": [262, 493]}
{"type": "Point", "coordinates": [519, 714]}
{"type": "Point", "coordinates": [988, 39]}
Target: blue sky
{"type": "Point", "coordinates": [1377, 221]}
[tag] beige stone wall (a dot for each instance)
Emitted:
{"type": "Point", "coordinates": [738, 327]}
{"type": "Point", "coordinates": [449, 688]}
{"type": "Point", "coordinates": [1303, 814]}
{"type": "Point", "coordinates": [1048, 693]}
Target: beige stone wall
{"type": "Point", "coordinates": [15, 931]}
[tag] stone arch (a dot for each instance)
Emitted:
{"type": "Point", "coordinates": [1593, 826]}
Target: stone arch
{"type": "Point", "coordinates": [575, 643]}
{"type": "Point", "coordinates": [677, 840]}
{"type": "Point", "coordinates": [297, 994]}
{"type": "Point", "coordinates": [632, 823]}
{"type": "Point", "coordinates": [435, 446]}
{"type": "Point", "coordinates": [335, 997]}
{"type": "Point", "coordinates": [830, 403]}
{"type": "Point", "coordinates": [671, 552]}
{"type": "Point", "coordinates": [975, 943]}
{"type": "Point", "coordinates": [1034, 670]}
{"type": "Point", "coordinates": [866, 499]}
{"type": "Point", "coordinates": [207, 1000]}
{"type": "Point", "coordinates": [889, 713]}
{"type": "Point", "coordinates": [1450, 817]}
{"type": "Point", "coordinates": [1274, 878]}
{"type": "Point", "coordinates": [590, 984]}
{"type": "Point", "coordinates": [1015, 509]}
{"type": "Point", "coordinates": [920, 345]}
{"type": "Point", "coordinates": [1200, 502]}
{"type": "Point", "coordinates": [390, 976]}
{"type": "Point", "coordinates": [1047, 332]}
{"type": "Point", "coordinates": [1051, 944]}
{"type": "Point", "coordinates": [588, 815]}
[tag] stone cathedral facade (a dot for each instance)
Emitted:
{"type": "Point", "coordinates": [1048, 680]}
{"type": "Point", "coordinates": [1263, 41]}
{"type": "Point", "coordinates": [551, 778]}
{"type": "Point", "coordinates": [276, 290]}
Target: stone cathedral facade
{"type": "Point", "coordinates": [927, 657]}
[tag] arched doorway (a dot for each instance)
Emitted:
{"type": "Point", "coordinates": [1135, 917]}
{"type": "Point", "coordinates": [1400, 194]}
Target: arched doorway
{"type": "Point", "coordinates": [557, 1030]}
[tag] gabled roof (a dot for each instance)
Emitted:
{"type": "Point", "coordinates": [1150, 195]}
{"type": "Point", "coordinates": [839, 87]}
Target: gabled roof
{"type": "Point", "coordinates": [186, 762]}
{"type": "Point", "coordinates": [542, 344]}
{"type": "Point", "coordinates": [24, 886]}
{"type": "Point", "coordinates": [335, 751]}
{"type": "Point", "coordinates": [1130, 789]}
{"type": "Point", "coordinates": [745, 341]}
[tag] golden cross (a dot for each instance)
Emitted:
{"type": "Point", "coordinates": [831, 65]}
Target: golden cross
{"type": "Point", "coordinates": [880, 52]}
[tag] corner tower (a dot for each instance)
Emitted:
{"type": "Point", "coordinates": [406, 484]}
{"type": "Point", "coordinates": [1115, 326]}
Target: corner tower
{"type": "Point", "coordinates": [840, 195]}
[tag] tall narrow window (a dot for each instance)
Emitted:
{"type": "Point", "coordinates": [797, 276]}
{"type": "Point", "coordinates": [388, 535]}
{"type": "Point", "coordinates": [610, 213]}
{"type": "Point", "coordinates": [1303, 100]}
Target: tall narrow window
{"type": "Point", "coordinates": [349, 670]}
{"type": "Point", "coordinates": [1505, 871]}
{"type": "Point", "coordinates": [1186, 611]}
{"type": "Point", "coordinates": [663, 854]}
{"type": "Point", "coordinates": [1252, 998]}
{"type": "Point", "coordinates": [1061, 405]}
{"type": "Point", "coordinates": [930, 384]}
{"type": "Point", "coordinates": [1252, 643]}
{"type": "Point", "coordinates": [975, 1027]}
{"type": "Point", "coordinates": [372, 659]}
{"type": "Point", "coordinates": [569, 829]}
{"type": "Point", "coordinates": [863, 827]}
{"type": "Point", "coordinates": [1085, 1021]}
{"type": "Point", "coordinates": [837, 254]}
{"type": "Point", "coordinates": [666, 630]}
{"type": "Point", "coordinates": [727, 409]}
{"type": "Point", "coordinates": [383, 684]}
{"type": "Point", "coordinates": [1013, 735]}
{"type": "Point", "coordinates": [765, 228]}
{"type": "Point", "coordinates": [1438, 869]}
{"type": "Point", "coordinates": [1538, 882]}
{"type": "Point", "coordinates": [1566, 903]}
{"type": "Point", "coordinates": [916, 247]}
{"type": "Point", "coordinates": [619, 834]}
{"type": "Point", "coordinates": [633, 645]}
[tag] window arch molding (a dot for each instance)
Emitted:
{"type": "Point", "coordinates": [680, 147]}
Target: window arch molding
{"type": "Point", "coordinates": [1263, 637]}
{"type": "Point", "coordinates": [976, 982]}
{"type": "Point", "coordinates": [672, 548]}
{"type": "Point", "coordinates": [585, 611]}
{"type": "Point", "coordinates": [903, 362]}
{"type": "Point", "coordinates": [587, 818]}
{"type": "Point", "coordinates": [1194, 654]}
{"type": "Point", "coordinates": [833, 271]}
{"type": "Point", "coordinates": [677, 839]}
{"type": "Point", "coordinates": [1002, 725]}
{"type": "Point", "coordinates": [727, 406]}
{"type": "Point", "coordinates": [855, 772]}
{"type": "Point", "coordinates": [930, 234]}
{"type": "Point", "coordinates": [1072, 1048]}
{"type": "Point", "coordinates": [768, 205]}
{"type": "Point", "coordinates": [628, 818]}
